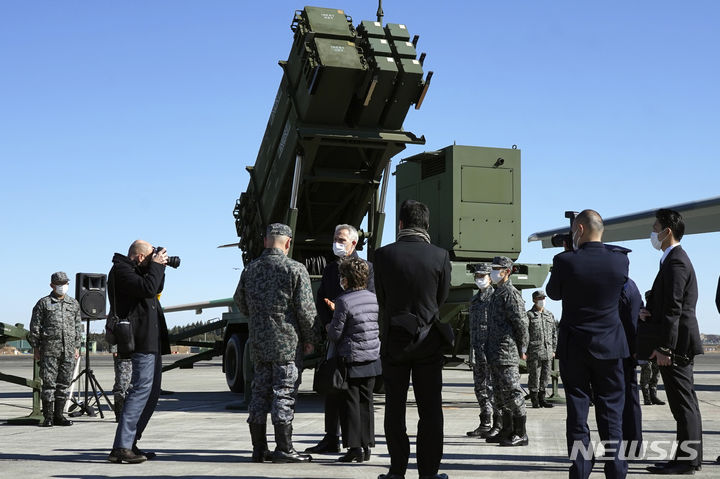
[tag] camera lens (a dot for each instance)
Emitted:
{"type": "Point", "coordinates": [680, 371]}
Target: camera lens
{"type": "Point", "coordinates": [173, 261]}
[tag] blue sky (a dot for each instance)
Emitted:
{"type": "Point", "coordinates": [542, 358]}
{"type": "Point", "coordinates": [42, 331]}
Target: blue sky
{"type": "Point", "coordinates": [134, 119]}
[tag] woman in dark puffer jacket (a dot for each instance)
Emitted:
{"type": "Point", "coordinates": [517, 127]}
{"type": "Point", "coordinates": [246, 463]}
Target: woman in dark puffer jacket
{"type": "Point", "coordinates": [354, 330]}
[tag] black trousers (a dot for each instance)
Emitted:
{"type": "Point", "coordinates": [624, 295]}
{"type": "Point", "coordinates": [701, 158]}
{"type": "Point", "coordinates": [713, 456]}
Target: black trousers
{"type": "Point", "coordinates": [632, 415]}
{"type": "Point", "coordinates": [333, 403]}
{"type": "Point", "coordinates": [680, 390]}
{"type": "Point", "coordinates": [357, 414]}
{"type": "Point", "coordinates": [426, 375]}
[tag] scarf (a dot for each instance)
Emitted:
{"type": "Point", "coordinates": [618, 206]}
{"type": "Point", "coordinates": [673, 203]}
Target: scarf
{"type": "Point", "coordinates": [405, 232]}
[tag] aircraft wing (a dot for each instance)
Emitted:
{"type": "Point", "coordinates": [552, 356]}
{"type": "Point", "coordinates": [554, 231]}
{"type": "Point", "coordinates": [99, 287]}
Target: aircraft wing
{"type": "Point", "coordinates": [199, 306]}
{"type": "Point", "coordinates": [700, 217]}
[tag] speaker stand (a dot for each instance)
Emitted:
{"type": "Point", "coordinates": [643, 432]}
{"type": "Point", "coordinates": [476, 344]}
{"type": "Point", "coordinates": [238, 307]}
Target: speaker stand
{"type": "Point", "coordinates": [85, 407]}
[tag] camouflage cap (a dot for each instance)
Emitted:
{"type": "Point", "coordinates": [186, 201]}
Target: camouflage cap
{"type": "Point", "coordinates": [502, 262]}
{"type": "Point", "coordinates": [59, 278]}
{"type": "Point", "coordinates": [482, 268]}
{"type": "Point", "coordinates": [539, 293]}
{"type": "Point", "coordinates": [278, 229]}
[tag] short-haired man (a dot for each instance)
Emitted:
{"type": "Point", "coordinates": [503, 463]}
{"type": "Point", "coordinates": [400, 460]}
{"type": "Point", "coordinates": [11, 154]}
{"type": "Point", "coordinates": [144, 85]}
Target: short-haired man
{"type": "Point", "coordinates": [507, 342]}
{"type": "Point", "coordinates": [134, 285]}
{"type": "Point", "coordinates": [274, 292]}
{"type": "Point", "coordinates": [541, 350]}
{"type": "Point", "coordinates": [670, 313]}
{"type": "Point", "coordinates": [479, 305]}
{"type": "Point", "coordinates": [591, 341]}
{"type": "Point", "coordinates": [345, 241]}
{"type": "Point", "coordinates": [55, 335]}
{"type": "Point", "coordinates": [412, 280]}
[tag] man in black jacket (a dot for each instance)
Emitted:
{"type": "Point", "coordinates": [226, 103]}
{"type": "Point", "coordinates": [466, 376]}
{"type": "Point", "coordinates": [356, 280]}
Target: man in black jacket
{"type": "Point", "coordinates": [675, 341]}
{"type": "Point", "coordinates": [412, 280]}
{"type": "Point", "coordinates": [344, 242]}
{"type": "Point", "coordinates": [134, 284]}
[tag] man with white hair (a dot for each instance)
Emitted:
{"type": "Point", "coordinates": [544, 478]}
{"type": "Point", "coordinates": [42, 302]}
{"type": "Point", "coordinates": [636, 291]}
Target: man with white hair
{"type": "Point", "coordinates": [345, 241]}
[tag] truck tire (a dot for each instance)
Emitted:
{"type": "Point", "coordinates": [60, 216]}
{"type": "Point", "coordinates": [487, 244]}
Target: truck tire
{"type": "Point", "coordinates": [234, 354]}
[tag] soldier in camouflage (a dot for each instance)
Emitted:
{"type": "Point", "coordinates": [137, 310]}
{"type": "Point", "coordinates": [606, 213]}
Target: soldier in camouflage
{"type": "Point", "coordinates": [541, 351]}
{"type": "Point", "coordinates": [649, 372]}
{"type": "Point", "coordinates": [478, 336]}
{"type": "Point", "coordinates": [55, 335]}
{"type": "Point", "coordinates": [507, 341]}
{"type": "Point", "coordinates": [274, 292]}
{"type": "Point", "coordinates": [123, 375]}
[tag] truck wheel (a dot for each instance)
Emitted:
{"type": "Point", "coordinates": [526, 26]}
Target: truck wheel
{"type": "Point", "coordinates": [234, 351]}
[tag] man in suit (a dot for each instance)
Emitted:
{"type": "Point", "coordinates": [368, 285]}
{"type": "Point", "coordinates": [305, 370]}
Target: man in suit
{"type": "Point", "coordinates": [344, 242]}
{"type": "Point", "coordinates": [670, 314]}
{"type": "Point", "coordinates": [412, 280]}
{"type": "Point", "coordinates": [630, 304]}
{"type": "Point", "coordinates": [591, 342]}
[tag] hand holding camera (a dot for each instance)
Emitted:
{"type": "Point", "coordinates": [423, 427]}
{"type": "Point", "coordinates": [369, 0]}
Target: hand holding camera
{"type": "Point", "coordinates": [160, 256]}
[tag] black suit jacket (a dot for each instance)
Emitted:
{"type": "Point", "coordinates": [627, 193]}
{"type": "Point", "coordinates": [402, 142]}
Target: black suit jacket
{"type": "Point", "coordinates": [411, 276]}
{"type": "Point", "coordinates": [672, 306]}
{"type": "Point", "coordinates": [589, 282]}
{"type": "Point", "coordinates": [330, 288]}
{"type": "Point", "coordinates": [630, 304]}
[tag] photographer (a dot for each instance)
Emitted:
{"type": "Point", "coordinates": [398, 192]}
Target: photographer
{"type": "Point", "coordinates": [134, 283]}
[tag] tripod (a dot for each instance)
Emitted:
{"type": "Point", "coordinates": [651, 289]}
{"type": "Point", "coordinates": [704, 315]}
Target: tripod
{"type": "Point", "coordinates": [90, 381]}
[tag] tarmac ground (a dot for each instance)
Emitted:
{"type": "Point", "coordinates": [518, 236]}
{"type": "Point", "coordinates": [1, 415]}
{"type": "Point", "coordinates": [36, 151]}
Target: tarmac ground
{"type": "Point", "coordinates": [195, 436]}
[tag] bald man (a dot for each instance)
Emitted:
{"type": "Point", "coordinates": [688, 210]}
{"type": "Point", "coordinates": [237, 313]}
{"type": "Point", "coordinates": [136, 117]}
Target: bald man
{"type": "Point", "coordinates": [134, 284]}
{"type": "Point", "coordinates": [589, 279]}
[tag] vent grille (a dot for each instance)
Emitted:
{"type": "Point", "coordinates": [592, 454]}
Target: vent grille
{"type": "Point", "coordinates": [432, 167]}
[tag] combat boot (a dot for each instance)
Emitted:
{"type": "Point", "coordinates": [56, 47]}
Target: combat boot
{"type": "Point", "coordinates": [493, 435]}
{"type": "Point", "coordinates": [48, 411]}
{"type": "Point", "coordinates": [542, 401]}
{"type": "Point", "coordinates": [534, 400]}
{"type": "Point", "coordinates": [484, 427]}
{"type": "Point", "coordinates": [646, 396]}
{"type": "Point", "coordinates": [507, 428]}
{"type": "Point", "coordinates": [654, 399]}
{"type": "Point", "coordinates": [258, 434]}
{"type": "Point", "coordinates": [519, 434]}
{"type": "Point", "coordinates": [58, 418]}
{"type": "Point", "coordinates": [118, 406]}
{"type": "Point", "coordinates": [284, 450]}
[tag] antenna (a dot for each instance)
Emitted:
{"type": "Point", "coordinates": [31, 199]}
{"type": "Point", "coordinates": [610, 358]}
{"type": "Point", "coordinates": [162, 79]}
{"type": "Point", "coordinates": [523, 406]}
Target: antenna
{"type": "Point", "coordinates": [380, 13]}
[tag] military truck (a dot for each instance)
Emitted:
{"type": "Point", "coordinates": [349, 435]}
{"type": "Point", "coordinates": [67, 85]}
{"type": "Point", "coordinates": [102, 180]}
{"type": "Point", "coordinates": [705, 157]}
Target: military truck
{"type": "Point", "coordinates": [325, 159]}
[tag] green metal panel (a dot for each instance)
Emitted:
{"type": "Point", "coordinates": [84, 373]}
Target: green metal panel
{"type": "Point", "coordinates": [404, 49]}
{"type": "Point", "coordinates": [328, 22]}
{"type": "Point", "coordinates": [371, 29]}
{"type": "Point", "coordinates": [397, 31]}
{"type": "Point", "coordinates": [379, 46]}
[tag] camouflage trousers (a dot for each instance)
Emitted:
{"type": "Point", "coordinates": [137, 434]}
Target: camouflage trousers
{"type": "Point", "coordinates": [506, 387]}
{"type": "Point", "coordinates": [483, 383]}
{"type": "Point", "coordinates": [538, 382]}
{"type": "Point", "coordinates": [123, 375]}
{"type": "Point", "coordinates": [649, 375]}
{"type": "Point", "coordinates": [56, 375]}
{"type": "Point", "coordinates": [273, 391]}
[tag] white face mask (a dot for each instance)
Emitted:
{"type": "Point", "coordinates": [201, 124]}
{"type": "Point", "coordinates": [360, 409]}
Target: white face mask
{"type": "Point", "coordinates": [482, 283]}
{"type": "Point", "coordinates": [495, 276]}
{"type": "Point", "coordinates": [60, 289]}
{"type": "Point", "coordinates": [540, 304]}
{"type": "Point", "coordinates": [655, 241]}
{"type": "Point", "coordinates": [339, 250]}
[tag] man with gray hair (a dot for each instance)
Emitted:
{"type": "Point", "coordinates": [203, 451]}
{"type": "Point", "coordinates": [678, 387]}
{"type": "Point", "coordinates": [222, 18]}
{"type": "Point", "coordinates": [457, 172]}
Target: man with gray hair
{"type": "Point", "coordinates": [345, 241]}
{"type": "Point", "coordinates": [274, 292]}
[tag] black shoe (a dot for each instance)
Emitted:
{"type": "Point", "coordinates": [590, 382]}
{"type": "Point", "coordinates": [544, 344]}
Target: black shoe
{"type": "Point", "coordinates": [353, 454]}
{"type": "Point", "coordinates": [646, 397]}
{"type": "Point", "coordinates": [673, 463]}
{"type": "Point", "coordinates": [330, 444]}
{"type": "Point", "coordinates": [284, 450]}
{"type": "Point", "coordinates": [493, 435]}
{"type": "Point", "coordinates": [258, 435]}
{"type": "Point", "coordinates": [519, 435]}
{"type": "Point", "coordinates": [390, 476]}
{"type": "Point", "coordinates": [58, 418]}
{"type": "Point", "coordinates": [542, 401]}
{"type": "Point", "coordinates": [674, 468]}
{"type": "Point", "coordinates": [48, 410]}
{"type": "Point", "coordinates": [138, 452]}
{"type": "Point", "coordinates": [654, 399]}
{"type": "Point", "coordinates": [534, 400]}
{"type": "Point", "coordinates": [366, 453]}
{"type": "Point", "coordinates": [480, 431]}
{"type": "Point", "coordinates": [436, 476]}
{"type": "Point", "coordinates": [125, 455]}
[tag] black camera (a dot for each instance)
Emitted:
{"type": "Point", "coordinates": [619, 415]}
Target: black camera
{"type": "Point", "coordinates": [172, 261]}
{"type": "Point", "coordinates": [559, 240]}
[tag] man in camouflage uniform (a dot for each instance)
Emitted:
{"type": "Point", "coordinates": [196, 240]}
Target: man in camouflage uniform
{"type": "Point", "coordinates": [541, 351]}
{"type": "Point", "coordinates": [507, 341]}
{"type": "Point", "coordinates": [649, 372]}
{"type": "Point", "coordinates": [123, 375]}
{"type": "Point", "coordinates": [478, 336]}
{"type": "Point", "coordinates": [55, 335]}
{"type": "Point", "coordinates": [274, 292]}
